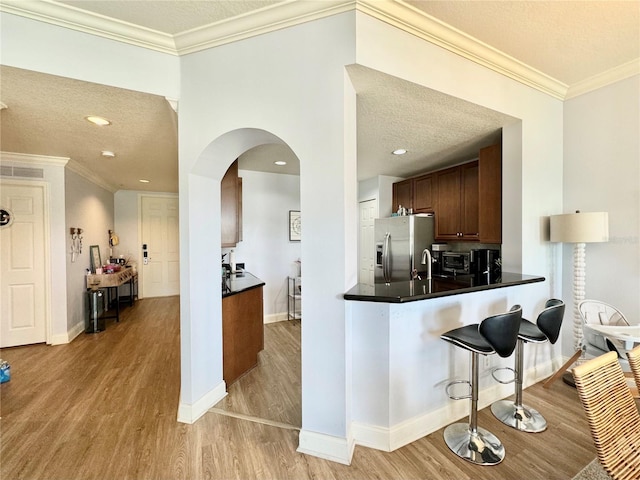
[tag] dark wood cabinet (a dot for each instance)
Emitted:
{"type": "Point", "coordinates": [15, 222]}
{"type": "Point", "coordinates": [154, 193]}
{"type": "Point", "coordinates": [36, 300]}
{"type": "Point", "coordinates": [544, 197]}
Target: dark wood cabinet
{"type": "Point", "coordinates": [402, 194]}
{"type": "Point", "coordinates": [469, 206]}
{"type": "Point", "coordinates": [457, 203]}
{"type": "Point", "coordinates": [448, 204]}
{"type": "Point", "coordinates": [490, 194]}
{"type": "Point", "coordinates": [415, 193]}
{"type": "Point", "coordinates": [242, 333]}
{"type": "Point", "coordinates": [231, 207]}
{"type": "Point", "coordinates": [423, 194]}
{"type": "Point", "coordinates": [466, 199]}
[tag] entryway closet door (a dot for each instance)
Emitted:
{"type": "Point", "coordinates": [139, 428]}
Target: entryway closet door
{"type": "Point", "coordinates": [22, 266]}
{"type": "Point", "coordinates": [160, 233]}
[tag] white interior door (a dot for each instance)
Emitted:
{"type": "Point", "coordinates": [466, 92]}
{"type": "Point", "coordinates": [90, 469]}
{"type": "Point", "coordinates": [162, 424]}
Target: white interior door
{"type": "Point", "coordinates": [161, 267]}
{"type": "Point", "coordinates": [368, 213]}
{"type": "Point", "coordinates": [22, 266]}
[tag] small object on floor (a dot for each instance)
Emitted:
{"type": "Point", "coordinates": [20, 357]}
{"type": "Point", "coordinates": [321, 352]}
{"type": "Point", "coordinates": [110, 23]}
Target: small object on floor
{"type": "Point", "coordinates": [5, 371]}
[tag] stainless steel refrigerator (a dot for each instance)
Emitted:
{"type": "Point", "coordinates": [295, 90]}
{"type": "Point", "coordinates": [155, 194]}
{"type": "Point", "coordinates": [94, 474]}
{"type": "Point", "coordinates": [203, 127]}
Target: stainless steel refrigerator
{"type": "Point", "coordinates": [399, 245]}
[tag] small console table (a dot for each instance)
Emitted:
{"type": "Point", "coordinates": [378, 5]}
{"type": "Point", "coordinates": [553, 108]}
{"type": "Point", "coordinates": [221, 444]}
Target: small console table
{"type": "Point", "coordinates": [112, 283]}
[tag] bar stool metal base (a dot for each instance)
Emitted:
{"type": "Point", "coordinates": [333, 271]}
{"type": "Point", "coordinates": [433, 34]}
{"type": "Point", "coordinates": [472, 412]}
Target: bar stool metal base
{"type": "Point", "coordinates": [481, 447]}
{"type": "Point", "coordinates": [521, 418]}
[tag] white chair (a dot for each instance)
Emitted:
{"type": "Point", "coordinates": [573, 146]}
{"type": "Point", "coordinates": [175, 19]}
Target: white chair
{"type": "Point", "coordinates": [605, 329]}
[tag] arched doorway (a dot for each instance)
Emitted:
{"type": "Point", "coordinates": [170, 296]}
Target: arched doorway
{"type": "Point", "coordinates": [205, 182]}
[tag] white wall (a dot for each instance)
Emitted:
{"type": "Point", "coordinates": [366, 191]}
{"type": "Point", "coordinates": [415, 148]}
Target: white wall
{"type": "Point", "coordinates": [89, 207]}
{"type": "Point", "coordinates": [379, 188]}
{"type": "Point", "coordinates": [46, 48]}
{"type": "Point", "coordinates": [290, 83]}
{"type": "Point", "coordinates": [602, 173]}
{"type": "Point", "coordinates": [265, 248]}
{"type": "Point", "coordinates": [126, 219]}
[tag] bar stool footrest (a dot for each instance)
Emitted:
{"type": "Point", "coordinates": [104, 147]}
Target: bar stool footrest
{"type": "Point", "coordinates": [504, 382]}
{"type": "Point", "coordinates": [457, 382]}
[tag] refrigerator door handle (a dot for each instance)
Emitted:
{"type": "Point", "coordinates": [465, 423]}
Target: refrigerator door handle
{"type": "Point", "coordinates": [386, 258]}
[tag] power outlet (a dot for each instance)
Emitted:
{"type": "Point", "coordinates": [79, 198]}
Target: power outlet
{"type": "Point", "coordinates": [486, 362]}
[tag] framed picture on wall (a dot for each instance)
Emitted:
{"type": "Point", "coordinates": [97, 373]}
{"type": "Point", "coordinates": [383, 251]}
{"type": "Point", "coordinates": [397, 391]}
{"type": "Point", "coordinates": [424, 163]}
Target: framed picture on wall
{"type": "Point", "coordinates": [294, 226]}
{"type": "Point", "coordinates": [94, 256]}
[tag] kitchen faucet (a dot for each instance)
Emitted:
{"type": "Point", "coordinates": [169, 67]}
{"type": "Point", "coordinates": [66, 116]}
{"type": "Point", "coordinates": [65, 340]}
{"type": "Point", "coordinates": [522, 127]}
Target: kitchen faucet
{"type": "Point", "coordinates": [426, 260]}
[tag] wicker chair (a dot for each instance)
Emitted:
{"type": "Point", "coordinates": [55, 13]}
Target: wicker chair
{"type": "Point", "coordinates": [612, 413]}
{"type": "Point", "coordinates": [634, 363]}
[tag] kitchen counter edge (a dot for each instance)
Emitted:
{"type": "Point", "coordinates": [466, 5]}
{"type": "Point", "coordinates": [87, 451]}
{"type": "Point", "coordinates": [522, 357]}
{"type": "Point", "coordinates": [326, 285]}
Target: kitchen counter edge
{"type": "Point", "coordinates": [362, 293]}
{"type": "Point", "coordinates": [238, 283]}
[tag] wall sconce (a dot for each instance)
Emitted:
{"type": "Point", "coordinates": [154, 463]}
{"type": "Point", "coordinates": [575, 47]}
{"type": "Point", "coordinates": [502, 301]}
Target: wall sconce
{"type": "Point", "coordinates": [76, 242]}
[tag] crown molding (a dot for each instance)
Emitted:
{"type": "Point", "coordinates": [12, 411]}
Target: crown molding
{"type": "Point", "coordinates": [66, 16]}
{"type": "Point", "coordinates": [88, 174]}
{"type": "Point", "coordinates": [416, 22]}
{"type": "Point", "coordinates": [603, 79]}
{"type": "Point", "coordinates": [33, 160]}
{"type": "Point", "coordinates": [293, 12]}
{"type": "Point", "coordinates": [257, 22]}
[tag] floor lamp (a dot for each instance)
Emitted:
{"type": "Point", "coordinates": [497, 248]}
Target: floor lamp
{"type": "Point", "coordinates": [578, 228]}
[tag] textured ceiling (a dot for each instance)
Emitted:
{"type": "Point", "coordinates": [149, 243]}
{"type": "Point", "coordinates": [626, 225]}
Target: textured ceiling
{"type": "Point", "coordinates": [435, 129]}
{"type": "Point", "coordinates": [570, 42]}
{"type": "Point", "coordinates": [45, 116]}
{"type": "Point", "coordinates": [171, 16]}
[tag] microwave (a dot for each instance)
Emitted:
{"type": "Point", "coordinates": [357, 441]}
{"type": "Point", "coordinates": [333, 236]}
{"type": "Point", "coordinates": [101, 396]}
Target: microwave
{"type": "Point", "coordinates": [457, 263]}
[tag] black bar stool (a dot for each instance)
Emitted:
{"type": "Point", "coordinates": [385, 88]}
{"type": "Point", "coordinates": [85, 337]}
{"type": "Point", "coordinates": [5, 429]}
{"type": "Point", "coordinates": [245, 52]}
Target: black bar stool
{"type": "Point", "coordinates": [495, 334]}
{"type": "Point", "coordinates": [515, 414]}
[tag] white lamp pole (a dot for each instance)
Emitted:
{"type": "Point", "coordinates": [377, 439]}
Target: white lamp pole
{"type": "Point", "coordinates": [579, 288]}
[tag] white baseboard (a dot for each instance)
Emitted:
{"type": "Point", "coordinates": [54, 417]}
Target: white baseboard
{"type": "Point", "coordinates": [390, 439]}
{"type": "Point", "coordinates": [63, 338]}
{"type": "Point", "coordinates": [276, 317]}
{"type": "Point", "coordinates": [332, 448]}
{"type": "Point", "coordinates": [190, 413]}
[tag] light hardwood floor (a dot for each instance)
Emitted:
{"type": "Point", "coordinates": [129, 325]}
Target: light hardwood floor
{"type": "Point", "coordinates": [104, 407]}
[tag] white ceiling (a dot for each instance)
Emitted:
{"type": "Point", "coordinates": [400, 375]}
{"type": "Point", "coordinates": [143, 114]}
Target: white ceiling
{"type": "Point", "coordinates": [560, 47]}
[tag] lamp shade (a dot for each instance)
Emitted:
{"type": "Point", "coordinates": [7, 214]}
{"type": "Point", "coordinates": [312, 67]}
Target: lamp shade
{"type": "Point", "coordinates": [587, 227]}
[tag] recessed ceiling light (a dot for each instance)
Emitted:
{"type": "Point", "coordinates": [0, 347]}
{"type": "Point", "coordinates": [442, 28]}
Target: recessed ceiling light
{"type": "Point", "coordinates": [399, 151]}
{"type": "Point", "coordinates": [143, 181]}
{"type": "Point", "coordinates": [108, 153]}
{"type": "Point", "coordinates": [280, 163]}
{"type": "Point", "coordinates": [100, 121]}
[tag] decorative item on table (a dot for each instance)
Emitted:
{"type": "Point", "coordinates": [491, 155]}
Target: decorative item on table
{"type": "Point", "coordinates": [5, 371]}
{"type": "Point", "coordinates": [111, 268]}
{"type": "Point", "coordinates": [95, 258]}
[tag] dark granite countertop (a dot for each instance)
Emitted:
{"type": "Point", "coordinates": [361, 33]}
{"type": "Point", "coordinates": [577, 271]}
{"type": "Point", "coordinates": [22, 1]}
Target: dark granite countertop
{"type": "Point", "coordinates": [239, 282]}
{"type": "Point", "coordinates": [414, 290]}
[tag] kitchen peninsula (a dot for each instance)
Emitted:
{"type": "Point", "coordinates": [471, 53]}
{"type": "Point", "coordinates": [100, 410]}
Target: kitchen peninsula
{"type": "Point", "coordinates": [400, 366]}
{"type": "Point", "coordinates": [242, 324]}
